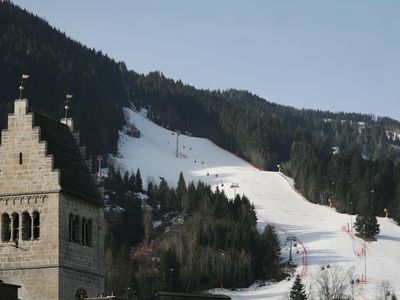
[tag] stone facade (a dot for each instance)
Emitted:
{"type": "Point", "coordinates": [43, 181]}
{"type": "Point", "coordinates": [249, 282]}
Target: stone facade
{"type": "Point", "coordinates": [51, 243]}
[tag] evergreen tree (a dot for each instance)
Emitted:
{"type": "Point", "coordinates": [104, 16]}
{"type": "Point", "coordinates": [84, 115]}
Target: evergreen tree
{"type": "Point", "coordinates": [169, 271]}
{"type": "Point", "coordinates": [367, 226]}
{"type": "Point", "coordinates": [126, 179]}
{"type": "Point", "coordinates": [181, 194]}
{"type": "Point", "coordinates": [138, 182]}
{"type": "Point", "coordinates": [268, 253]}
{"type": "Point", "coordinates": [298, 291]}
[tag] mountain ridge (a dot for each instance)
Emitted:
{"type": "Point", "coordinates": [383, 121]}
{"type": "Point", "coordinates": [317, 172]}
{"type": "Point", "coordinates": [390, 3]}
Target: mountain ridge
{"type": "Point", "coordinates": [241, 122]}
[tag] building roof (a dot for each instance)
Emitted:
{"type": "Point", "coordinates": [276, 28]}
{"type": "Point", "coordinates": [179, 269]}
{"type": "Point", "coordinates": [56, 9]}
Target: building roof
{"type": "Point", "coordinates": [75, 178]}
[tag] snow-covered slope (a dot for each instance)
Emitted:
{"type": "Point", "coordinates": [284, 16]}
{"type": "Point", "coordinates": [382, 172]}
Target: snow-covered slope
{"type": "Point", "coordinates": [319, 229]}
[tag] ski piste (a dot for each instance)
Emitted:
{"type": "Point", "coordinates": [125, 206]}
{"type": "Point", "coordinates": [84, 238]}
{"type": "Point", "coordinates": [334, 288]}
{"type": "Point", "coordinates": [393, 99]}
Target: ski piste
{"type": "Point", "coordinates": [323, 236]}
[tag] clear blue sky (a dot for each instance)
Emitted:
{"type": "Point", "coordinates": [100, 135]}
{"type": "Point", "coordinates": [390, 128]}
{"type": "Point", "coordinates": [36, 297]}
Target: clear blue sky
{"type": "Point", "coordinates": [339, 55]}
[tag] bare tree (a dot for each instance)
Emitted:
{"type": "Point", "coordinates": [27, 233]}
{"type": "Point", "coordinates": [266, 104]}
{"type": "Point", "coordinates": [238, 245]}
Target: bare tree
{"type": "Point", "coordinates": [332, 282]}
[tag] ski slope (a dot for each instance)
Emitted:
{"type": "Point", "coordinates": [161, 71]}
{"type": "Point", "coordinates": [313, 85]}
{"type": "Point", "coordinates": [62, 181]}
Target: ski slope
{"type": "Point", "coordinates": [318, 229]}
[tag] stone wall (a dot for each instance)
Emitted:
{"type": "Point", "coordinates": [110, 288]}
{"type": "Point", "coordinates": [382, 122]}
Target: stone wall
{"type": "Point", "coordinates": [36, 284]}
{"type": "Point", "coordinates": [32, 263]}
{"type": "Point", "coordinates": [24, 166]}
{"type": "Point", "coordinates": [76, 257]}
{"type": "Point", "coordinates": [51, 266]}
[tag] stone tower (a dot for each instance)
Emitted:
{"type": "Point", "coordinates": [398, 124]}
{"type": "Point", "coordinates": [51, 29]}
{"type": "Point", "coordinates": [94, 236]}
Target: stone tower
{"type": "Point", "coordinates": [51, 215]}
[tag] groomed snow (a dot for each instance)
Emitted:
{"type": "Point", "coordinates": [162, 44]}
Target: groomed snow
{"type": "Point", "coordinates": [321, 240]}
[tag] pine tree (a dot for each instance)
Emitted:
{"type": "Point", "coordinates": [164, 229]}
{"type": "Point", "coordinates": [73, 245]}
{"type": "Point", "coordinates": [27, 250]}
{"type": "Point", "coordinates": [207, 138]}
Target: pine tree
{"type": "Point", "coordinates": [298, 290]}
{"type": "Point", "coordinates": [138, 182]}
{"type": "Point", "coordinates": [132, 182]}
{"type": "Point", "coordinates": [181, 194]}
{"type": "Point", "coordinates": [367, 226]}
{"type": "Point", "coordinates": [268, 253]}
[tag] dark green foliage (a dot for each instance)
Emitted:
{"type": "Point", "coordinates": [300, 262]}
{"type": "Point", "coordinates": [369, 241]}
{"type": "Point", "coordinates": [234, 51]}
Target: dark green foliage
{"type": "Point", "coordinates": [260, 131]}
{"type": "Point", "coordinates": [57, 66]}
{"type": "Point", "coordinates": [138, 182]}
{"type": "Point", "coordinates": [346, 179]}
{"type": "Point", "coordinates": [216, 244]}
{"type": "Point", "coordinates": [255, 129]}
{"type": "Point", "coordinates": [367, 226]}
{"type": "Point", "coordinates": [298, 291]}
{"type": "Point", "coordinates": [268, 253]}
{"type": "Point", "coordinates": [124, 230]}
{"type": "Point", "coordinates": [169, 272]}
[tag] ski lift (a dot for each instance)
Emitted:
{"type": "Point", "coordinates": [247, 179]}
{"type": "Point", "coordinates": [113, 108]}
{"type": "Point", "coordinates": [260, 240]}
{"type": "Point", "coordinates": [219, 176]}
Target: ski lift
{"type": "Point", "coordinates": [222, 184]}
{"type": "Point", "coordinates": [194, 161]}
{"type": "Point", "coordinates": [216, 175]}
{"type": "Point", "coordinates": [208, 174]}
{"type": "Point", "coordinates": [202, 162]}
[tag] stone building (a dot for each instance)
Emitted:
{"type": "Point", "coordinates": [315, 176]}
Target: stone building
{"type": "Point", "coordinates": [51, 214]}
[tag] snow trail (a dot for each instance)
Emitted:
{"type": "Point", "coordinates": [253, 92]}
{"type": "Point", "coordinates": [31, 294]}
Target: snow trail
{"type": "Point", "coordinates": [317, 228]}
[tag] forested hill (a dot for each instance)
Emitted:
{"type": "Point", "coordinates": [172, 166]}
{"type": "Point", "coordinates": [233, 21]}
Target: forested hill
{"type": "Point", "coordinates": [57, 65]}
{"type": "Point", "coordinates": [259, 131]}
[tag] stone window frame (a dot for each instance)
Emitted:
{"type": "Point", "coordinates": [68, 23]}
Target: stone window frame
{"type": "Point", "coordinates": [15, 226]}
{"type": "Point", "coordinates": [89, 233]}
{"type": "Point", "coordinates": [26, 226]}
{"type": "Point", "coordinates": [16, 229]}
{"type": "Point", "coordinates": [5, 227]}
{"type": "Point", "coordinates": [70, 221]}
{"type": "Point", "coordinates": [80, 230]}
{"type": "Point", "coordinates": [35, 225]}
{"type": "Point", "coordinates": [75, 229]}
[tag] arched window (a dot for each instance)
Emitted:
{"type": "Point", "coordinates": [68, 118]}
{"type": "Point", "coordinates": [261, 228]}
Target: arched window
{"type": "Point", "coordinates": [88, 237]}
{"type": "Point", "coordinates": [36, 225]}
{"type": "Point", "coordinates": [83, 227]}
{"type": "Point", "coordinates": [26, 226]}
{"type": "Point", "coordinates": [5, 227]}
{"type": "Point", "coordinates": [75, 229]}
{"type": "Point", "coordinates": [15, 227]}
{"type": "Point", "coordinates": [70, 231]}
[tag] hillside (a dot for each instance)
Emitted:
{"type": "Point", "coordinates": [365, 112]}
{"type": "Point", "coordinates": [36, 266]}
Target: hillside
{"type": "Point", "coordinates": [318, 229]}
{"type": "Point", "coordinates": [57, 66]}
{"type": "Point", "coordinates": [257, 130]}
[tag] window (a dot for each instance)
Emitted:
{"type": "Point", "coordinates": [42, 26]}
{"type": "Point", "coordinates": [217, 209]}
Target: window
{"type": "Point", "coordinates": [5, 227]}
{"type": "Point", "coordinates": [80, 230]}
{"type": "Point", "coordinates": [83, 235]}
{"type": "Point", "coordinates": [75, 229]}
{"type": "Point", "coordinates": [70, 231]}
{"type": "Point", "coordinates": [26, 226]}
{"type": "Point", "coordinates": [14, 227]}
{"type": "Point", "coordinates": [20, 158]}
{"type": "Point", "coordinates": [36, 225]}
{"type": "Point", "coordinates": [88, 233]}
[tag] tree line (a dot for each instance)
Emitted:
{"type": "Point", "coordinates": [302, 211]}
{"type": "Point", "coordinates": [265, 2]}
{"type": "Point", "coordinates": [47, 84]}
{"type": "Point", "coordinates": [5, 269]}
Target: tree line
{"type": "Point", "coordinates": [243, 123]}
{"type": "Point", "coordinates": [352, 183]}
{"type": "Point", "coordinates": [188, 238]}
